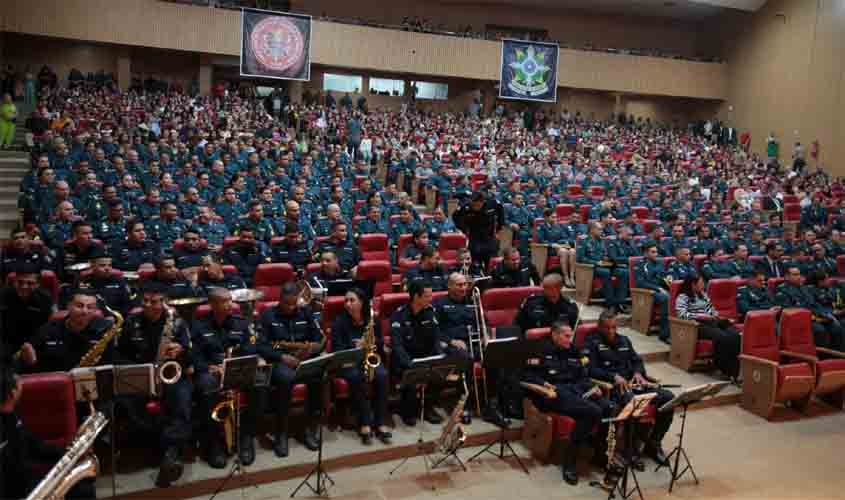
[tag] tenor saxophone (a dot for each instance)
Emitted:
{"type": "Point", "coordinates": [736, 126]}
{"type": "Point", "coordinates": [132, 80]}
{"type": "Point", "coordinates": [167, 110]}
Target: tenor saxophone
{"type": "Point", "coordinates": [92, 357]}
{"type": "Point", "coordinates": [368, 343]}
{"type": "Point", "coordinates": [168, 371]}
{"type": "Point", "coordinates": [224, 413]}
{"type": "Point", "coordinates": [76, 464]}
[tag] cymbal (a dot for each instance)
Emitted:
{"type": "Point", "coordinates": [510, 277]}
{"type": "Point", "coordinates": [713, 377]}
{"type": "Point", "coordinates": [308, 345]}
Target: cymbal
{"type": "Point", "coordinates": [246, 295]}
{"type": "Point", "coordinates": [82, 266]}
{"type": "Point", "coordinates": [187, 301]}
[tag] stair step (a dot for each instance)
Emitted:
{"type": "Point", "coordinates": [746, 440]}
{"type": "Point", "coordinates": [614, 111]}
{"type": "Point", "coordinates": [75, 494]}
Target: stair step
{"type": "Point", "coordinates": [7, 154]}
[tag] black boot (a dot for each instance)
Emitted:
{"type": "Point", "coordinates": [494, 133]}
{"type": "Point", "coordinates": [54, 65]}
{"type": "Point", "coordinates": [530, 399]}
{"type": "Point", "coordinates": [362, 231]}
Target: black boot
{"type": "Point", "coordinates": [280, 438]}
{"type": "Point", "coordinates": [311, 439]}
{"type": "Point", "coordinates": [247, 450]}
{"type": "Point", "coordinates": [568, 462]}
{"type": "Point", "coordinates": [170, 469]}
{"type": "Point", "coordinates": [492, 414]}
{"type": "Point", "coordinates": [654, 451]}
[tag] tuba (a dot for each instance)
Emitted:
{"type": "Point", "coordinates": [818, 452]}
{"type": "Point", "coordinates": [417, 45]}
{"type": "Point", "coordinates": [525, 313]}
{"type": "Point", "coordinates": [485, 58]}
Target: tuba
{"type": "Point", "coordinates": [92, 357]}
{"type": "Point", "coordinates": [167, 371]}
{"type": "Point", "coordinates": [368, 344]}
{"type": "Point", "coordinates": [76, 464]}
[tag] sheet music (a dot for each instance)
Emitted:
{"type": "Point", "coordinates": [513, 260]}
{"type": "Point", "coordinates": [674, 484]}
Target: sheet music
{"type": "Point", "coordinates": [417, 361]}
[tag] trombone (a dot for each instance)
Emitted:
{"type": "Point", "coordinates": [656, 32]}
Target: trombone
{"type": "Point", "coordinates": [479, 336]}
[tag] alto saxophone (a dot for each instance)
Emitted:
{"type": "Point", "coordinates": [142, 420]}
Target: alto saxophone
{"type": "Point", "coordinates": [92, 357]}
{"type": "Point", "coordinates": [368, 344]}
{"type": "Point", "coordinates": [76, 464]}
{"type": "Point", "coordinates": [453, 435]}
{"type": "Point", "coordinates": [168, 371]}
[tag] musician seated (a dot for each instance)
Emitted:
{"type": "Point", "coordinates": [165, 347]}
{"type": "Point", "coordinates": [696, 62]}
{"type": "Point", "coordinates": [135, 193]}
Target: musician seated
{"type": "Point", "coordinates": [414, 332]}
{"type": "Point", "coordinates": [330, 270]}
{"type": "Point", "coordinates": [20, 250]}
{"type": "Point", "coordinates": [565, 372]}
{"type": "Point", "coordinates": [614, 360]}
{"type": "Point", "coordinates": [542, 310]}
{"type": "Point", "coordinates": [61, 343]}
{"type": "Point", "coordinates": [293, 323]}
{"type": "Point", "coordinates": [465, 265]}
{"type": "Point", "coordinates": [136, 250]}
{"type": "Point", "coordinates": [294, 250]}
{"type": "Point", "coordinates": [246, 254]}
{"type": "Point", "coordinates": [342, 246]}
{"type": "Point", "coordinates": [348, 332]}
{"type": "Point", "coordinates": [213, 338]}
{"type": "Point", "coordinates": [20, 450]}
{"type": "Point", "coordinates": [211, 275]}
{"type": "Point", "coordinates": [513, 271]}
{"type": "Point", "coordinates": [413, 252]}
{"type": "Point", "coordinates": [192, 251]}
{"type": "Point", "coordinates": [80, 249]}
{"type": "Point", "coordinates": [110, 290]}
{"type": "Point", "coordinates": [429, 270]}
{"type": "Point", "coordinates": [24, 307]}
{"type": "Point", "coordinates": [177, 284]}
{"type": "Point", "coordinates": [145, 340]}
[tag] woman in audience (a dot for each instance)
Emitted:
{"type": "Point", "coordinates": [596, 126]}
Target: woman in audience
{"type": "Point", "coordinates": [694, 304]}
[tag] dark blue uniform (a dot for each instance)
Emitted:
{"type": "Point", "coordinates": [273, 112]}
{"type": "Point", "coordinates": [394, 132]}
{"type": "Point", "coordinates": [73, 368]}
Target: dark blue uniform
{"type": "Point", "coordinates": [592, 251]}
{"type": "Point", "coordinates": [536, 311]}
{"type": "Point", "coordinates": [437, 277]}
{"type": "Point", "coordinates": [246, 259]}
{"type": "Point", "coordinates": [129, 256]}
{"type": "Point", "coordinates": [347, 252]}
{"type": "Point", "coordinates": [827, 330]}
{"type": "Point", "coordinates": [651, 276]}
{"type": "Point", "coordinates": [59, 349]}
{"type": "Point", "coordinates": [413, 336]}
{"type": "Point", "coordinates": [189, 258]}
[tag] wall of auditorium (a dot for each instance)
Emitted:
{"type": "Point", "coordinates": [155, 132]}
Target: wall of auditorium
{"type": "Point", "coordinates": [573, 28]}
{"type": "Point", "coordinates": [163, 25]}
{"type": "Point", "coordinates": [785, 74]}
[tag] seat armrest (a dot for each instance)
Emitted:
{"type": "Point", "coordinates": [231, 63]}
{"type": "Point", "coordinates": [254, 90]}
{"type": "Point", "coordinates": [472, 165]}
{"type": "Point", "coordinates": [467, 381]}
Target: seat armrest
{"type": "Point", "coordinates": [645, 291]}
{"type": "Point", "coordinates": [582, 265]}
{"type": "Point", "coordinates": [799, 355]}
{"type": "Point", "coordinates": [685, 322]}
{"type": "Point", "coordinates": [758, 361]}
{"type": "Point", "coordinates": [831, 352]}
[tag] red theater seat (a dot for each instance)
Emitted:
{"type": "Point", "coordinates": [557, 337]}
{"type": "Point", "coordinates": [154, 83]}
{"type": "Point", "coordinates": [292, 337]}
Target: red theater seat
{"type": "Point", "coordinates": [374, 247]}
{"type": "Point", "coordinates": [269, 279]}
{"type": "Point", "coordinates": [379, 273]}
{"type": "Point", "coordinates": [769, 377]}
{"type": "Point", "coordinates": [502, 304]}
{"type": "Point", "coordinates": [48, 406]}
{"type": "Point", "coordinates": [449, 245]}
{"type": "Point", "coordinates": [389, 303]}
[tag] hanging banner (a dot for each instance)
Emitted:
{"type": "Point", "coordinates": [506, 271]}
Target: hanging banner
{"type": "Point", "coordinates": [529, 71]}
{"type": "Point", "coordinates": [275, 45]}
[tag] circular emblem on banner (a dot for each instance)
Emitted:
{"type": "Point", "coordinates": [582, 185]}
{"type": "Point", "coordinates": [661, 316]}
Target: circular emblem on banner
{"type": "Point", "coordinates": [277, 43]}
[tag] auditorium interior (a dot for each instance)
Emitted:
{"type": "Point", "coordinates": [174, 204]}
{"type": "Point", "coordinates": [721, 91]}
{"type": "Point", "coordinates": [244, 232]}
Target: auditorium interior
{"type": "Point", "coordinates": [264, 249]}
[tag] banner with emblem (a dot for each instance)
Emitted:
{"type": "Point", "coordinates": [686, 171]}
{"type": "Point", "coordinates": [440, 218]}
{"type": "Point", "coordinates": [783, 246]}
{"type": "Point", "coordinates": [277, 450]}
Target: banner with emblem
{"type": "Point", "coordinates": [275, 45]}
{"type": "Point", "coordinates": [529, 71]}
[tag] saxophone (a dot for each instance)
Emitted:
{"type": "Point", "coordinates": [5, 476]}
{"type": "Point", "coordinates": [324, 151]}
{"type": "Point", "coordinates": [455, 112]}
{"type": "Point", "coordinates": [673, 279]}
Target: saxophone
{"type": "Point", "coordinates": [92, 357]}
{"type": "Point", "coordinates": [224, 412]}
{"type": "Point", "coordinates": [167, 371]}
{"type": "Point", "coordinates": [76, 464]}
{"type": "Point", "coordinates": [368, 344]}
{"type": "Point", "coordinates": [453, 435]}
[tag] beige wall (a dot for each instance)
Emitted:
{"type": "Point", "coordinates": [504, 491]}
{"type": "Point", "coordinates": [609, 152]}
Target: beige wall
{"type": "Point", "coordinates": [574, 28]}
{"type": "Point", "coordinates": [62, 55]}
{"type": "Point", "coordinates": [785, 74]}
{"type": "Point", "coordinates": [151, 23]}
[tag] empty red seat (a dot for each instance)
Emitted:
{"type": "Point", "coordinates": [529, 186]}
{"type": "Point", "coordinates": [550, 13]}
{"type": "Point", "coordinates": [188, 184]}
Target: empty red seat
{"type": "Point", "coordinates": [374, 247]}
{"type": "Point", "coordinates": [269, 279]}
{"type": "Point", "coordinates": [48, 406]}
{"type": "Point", "coordinates": [377, 272]}
{"type": "Point", "coordinates": [564, 210]}
{"type": "Point", "coordinates": [797, 342]}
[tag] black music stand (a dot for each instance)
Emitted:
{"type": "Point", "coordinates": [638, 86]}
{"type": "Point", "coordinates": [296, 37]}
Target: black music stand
{"type": "Point", "coordinates": [684, 400]}
{"type": "Point", "coordinates": [627, 416]}
{"type": "Point", "coordinates": [322, 367]}
{"type": "Point", "coordinates": [503, 354]}
{"type": "Point", "coordinates": [424, 371]}
{"type": "Point", "coordinates": [238, 374]}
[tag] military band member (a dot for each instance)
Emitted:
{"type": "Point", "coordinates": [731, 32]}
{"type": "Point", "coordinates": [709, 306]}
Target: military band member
{"type": "Point", "coordinates": [564, 369]}
{"type": "Point", "coordinates": [21, 250]}
{"type": "Point", "coordinates": [414, 251]}
{"type": "Point", "coordinates": [61, 343]}
{"type": "Point", "coordinates": [211, 275]}
{"type": "Point", "coordinates": [24, 308]}
{"type": "Point", "coordinates": [330, 270]}
{"type": "Point", "coordinates": [480, 220]}
{"type": "Point", "coordinates": [290, 322]}
{"type": "Point", "coordinates": [294, 250]}
{"type": "Point", "coordinates": [78, 250]}
{"type": "Point", "coordinates": [614, 360]}
{"type": "Point", "coordinates": [464, 263]}
{"type": "Point", "coordinates": [212, 338]}
{"type": "Point", "coordinates": [246, 255]}
{"type": "Point", "coordinates": [113, 290]}
{"type": "Point", "coordinates": [827, 330]}
{"type": "Point", "coordinates": [428, 269]}
{"type": "Point", "coordinates": [348, 331]}
{"type": "Point", "coordinates": [139, 343]}
{"type": "Point", "coordinates": [414, 332]}
{"type": "Point", "coordinates": [192, 250]}
{"type": "Point", "coordinates": [136, 250]}
{"type": "Point", "coordinates": [541, 310]}
{"type": "Point", "coordinates": [339, 244]}
{"type": "Point", "coordinates": [177, 284]}
{"type": "Point", "coordinates": [514, 271]}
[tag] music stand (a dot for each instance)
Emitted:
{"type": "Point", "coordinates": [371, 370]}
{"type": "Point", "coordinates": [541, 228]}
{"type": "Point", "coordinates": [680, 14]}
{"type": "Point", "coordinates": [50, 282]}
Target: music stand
{"type": "Point", "coordinates": [238, 374]}
{"type": "Point", "coordinates": [425, 371]}
{"type": "Point", "coordinates": [503, 354]}
{"type": "Point", "coordinates": [626, 416]}
{"type": "Point", "coordinates": [321, 367]}
{"type": "Point", "coordinates": [684, 400]}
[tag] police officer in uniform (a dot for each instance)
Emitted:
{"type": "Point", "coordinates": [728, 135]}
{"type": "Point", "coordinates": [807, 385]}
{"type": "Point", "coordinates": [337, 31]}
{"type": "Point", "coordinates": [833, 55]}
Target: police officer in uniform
{"type": "Point", "coordinates": [112, 230]}
{"type": "Point", "coordinates": [109, 288]}
{"type": "Point", "coordinates": [428, 270]}
{"type": "Point", "coordinates": [293, 250]}
{"type": "Point", "coordinates": [78, 250]}
{"type": "Point", "coordinates": [374, 223]}
{"type": "Point", "coordinates": [20, 250]}
{"type": "Point", "coordinates": [418, 244]}
{"type": "Point", "coordinates": [415, 333]}
{"type": "Point", "coordinates": [175, 282]}
{"type": "Point", "coordinates": [754, 295]}
{"type": "Point", "coordinates": [541, 310]}
{"type": "Point", "coordinates": [261, 228]}
{"type": "Point", "coordinates": [827, 330]}
{"type": "Point", "coordinates": [167, 228]}
{"type": "Point", "coordinates": [211, 338]}
{"type": "Point", "coordinates": [24, 308]}
{"type": "Point", "coordinates": [820, 261]}
{"type": "Point", "coordinates": [192, 252]}
{"type": "Point", "coordinates": [513, 271]}
{"type": "Point", "coordinates": [139, 343]}
{"type": "Point", "coordinates": [290, 322]}
{"type": "Point", "coordinates": [682, 267]}
{"type": "Point", "coordinates": [211, 275]}
{"type": "Point", "coordinates": [136, 250]}
{"type": "Point", "coordinates": [339, 244]}
{"type": "Point", "coordinates": [650, 274]}
{"type": "Point", "coordinates": [481, 220]}
{"type": "Point", "coordinates": [61, 343]}
{"type": "Point", "coordinates": [620, 250]}
{"type": "Point", "coordinates": [564, 369]}
{"type": "Point", "coordinates": [592, 250]}
{"type": "Point", "coordinates": [614, 360]}
{"type": "Point", "coordinates": [246, 255]}
{"type": "Point", "coordinates": [348, 330]}
{"type": "Point", "coordinates": [521, 221]}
